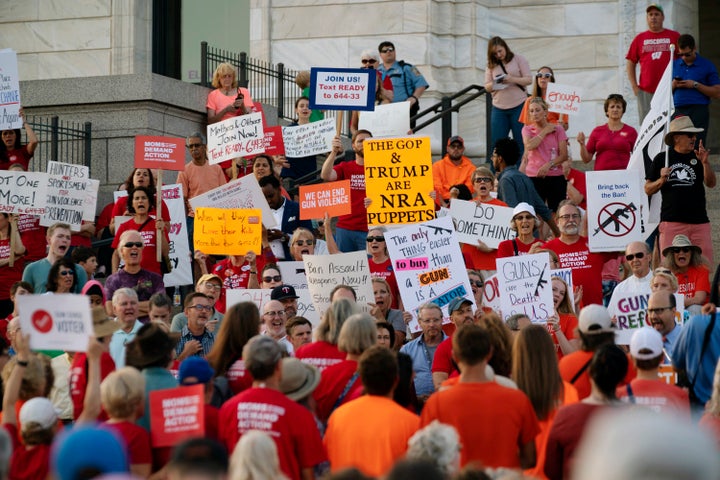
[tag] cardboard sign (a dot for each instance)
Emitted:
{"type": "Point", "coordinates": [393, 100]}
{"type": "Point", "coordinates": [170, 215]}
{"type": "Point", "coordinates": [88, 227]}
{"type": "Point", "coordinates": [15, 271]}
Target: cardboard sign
{"type": "Point", "coordinates": [23, 192]}
{"type": "Point", "coordinates": [333, 198]}
{"type": "Point", "coordinates": [398, 180]}
{"type": "Point", "coordinates": [227, 232]}
{"type": "Point", "coordinates": [56, 321]}
{"type": "Point", "coordinates": [428, 265]}
{"type": "Point", "coordinates": [309, 139]}
{"type": "Point", "coordinates": [342, 88]}
{"type": "Point", "coordinates": [176, 414]}
{"type": "Point", "coordinates": [180, 257]}
{"type": "Point", "coordinates": [9, 91]}
{"type": "Point", "coordinates": [260, 296]}
{"type": "Point", "coordinates": [66, 191]}
{"type": "Point", "coordinates": [630, 314]}
{"type": "Point", "coordinates": [165, 153]}
{"type": "Point", "coordinates": [614, 201]}
{"type": "Point", "coordinates": [235, 137]}
{"type": "Point", "coordinates": [293, 273]}
{"type": "Point", "coordinates": [241, 193]}
{"type": "Point", "coordinates": [389, 120]}
{"type": "Point", "coordinates": [563, 98]}
{"type": "Point", "coordinates": [324, 272]}
{"type": "Point", "coordinates": [526, 286]}
{"type": "Point", "coordinates": [491, 293]}
{"type": "Point", "coordinates": [481, 221]}
{"type": "Point", "coordinates": [273, 140]}
{"type": "Point", "coordinates": [90, 202]}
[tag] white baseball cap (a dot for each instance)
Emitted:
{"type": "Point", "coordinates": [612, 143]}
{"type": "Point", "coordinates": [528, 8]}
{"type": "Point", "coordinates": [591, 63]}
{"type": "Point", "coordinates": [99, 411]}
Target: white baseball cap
{"type": "Point", "coordinates": [595, 319]}
{"type": "Point", "coordinates": [646, 338]}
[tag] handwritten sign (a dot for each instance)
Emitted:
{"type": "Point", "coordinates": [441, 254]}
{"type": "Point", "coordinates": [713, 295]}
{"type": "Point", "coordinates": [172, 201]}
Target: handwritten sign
{"type": "Point", "coordinates": [310, 139]}
{"type": "Point", "coordinates": [630, 311]}
{"type": "Point", "coordinates": [9, 91]}
{"type": "Point", "coordinates": [176, 414]}
{"type": "Point", "coordinates": [324, 272]}
{"type": "Point", "coordinates": [90, 202]}
{"type": "Point", "coordinates": [293, 273]}
{"type": "Point", "coordinates": [23, 192]}
{"type": "Point", "coordinates": [398, 180]}
{"type": "Point", "coordinates": [66, 191]}
{"type": "Point", "coordinates": [342, 88]}
{"type": "Point", "coordinates": [235, 137]}
{"type": "Point", "coordinates": [227, 232]}
{"type": "Point", "coordinates": [429, 266]}
{"type": "Point", "coordinates": [260, 296]}
{"type": "Point", "coordinates": [241, 193]}
{"type": "Point", "coordinates": [181, 273]}
{"type": "Point", "coordinates": [389, 120]}
{"type": "Point", "coordinates": [56, 322]}
{"type": "Point", "coordinates": [166, 153]}
{"type": "Point", "coordinates": [481, 221]}
{"type": "Point", "coordinates": [491, 293]}
{"type": "Point", "coordinates": [525, 283]}
{"type": "Point", "coordinates": [614, 201]}
{"type": "Point", "coordinates": [273, 140]}
{"type": "Point", "coordinates": [333, 198]}
{"type": "Point", "coordinates": [564, 98]}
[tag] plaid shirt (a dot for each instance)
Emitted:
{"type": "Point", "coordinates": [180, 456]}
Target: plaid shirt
{"type": "Point", "coordinates": [207, 340]}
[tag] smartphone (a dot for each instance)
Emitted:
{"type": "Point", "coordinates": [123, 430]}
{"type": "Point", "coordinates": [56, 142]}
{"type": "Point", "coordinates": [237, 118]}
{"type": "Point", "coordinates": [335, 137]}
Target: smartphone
{"type": "Point", "coordinates": [679, 79]}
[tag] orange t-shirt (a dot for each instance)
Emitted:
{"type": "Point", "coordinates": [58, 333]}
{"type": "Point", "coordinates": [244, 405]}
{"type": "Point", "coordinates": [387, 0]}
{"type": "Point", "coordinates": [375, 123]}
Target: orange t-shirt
{"type": "Point", "coordinates": [369, 433]}
{"type": "Point", "coordinates": [571, 364]}
{"type": "Point", "coordinates": [657, 396]}
{"type": "Point", "coordinates": [493, 421]}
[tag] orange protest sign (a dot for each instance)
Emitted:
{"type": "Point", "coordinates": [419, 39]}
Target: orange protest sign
{"type": "Point", "coordinates": [333, 198]}
{"type": "Point", "coordinates": [221, 231]}
{"type": "Point", "coordinates": [176, 414]}
{"type": "Point", "coordinates": [167, 153]}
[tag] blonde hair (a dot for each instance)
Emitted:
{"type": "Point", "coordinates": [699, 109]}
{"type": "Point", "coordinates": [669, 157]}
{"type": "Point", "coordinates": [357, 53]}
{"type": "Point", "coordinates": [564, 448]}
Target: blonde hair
{"type": "Point", "coordinates": [667, 276]}
{"type": "Point", "coordinates": [255, 457]}
{"type": "Point", "coordinates": [357, 334]}
{"type": "Point", "coordinates": [565, 305]}
{"type": "Point", "coordinates": [221, 70]}
{"type": "Point", "coordinates": [34, 380]}
{"type": "Point", "coordinates": [302, 79]}
{"type": "Point", "coordinates": [122, 392]}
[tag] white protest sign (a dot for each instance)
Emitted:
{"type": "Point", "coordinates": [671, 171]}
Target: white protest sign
{"type": "Point", "coordinates": [66, 192]}
{"type": "Point", "coordinates": [293, 273]}
{"type": "Point", "coordinates": [342, 88]}
{"type": "Point", "coordinates": [9, 91]}
{"type": "Point", "coordinates": [23, 192]}
{"type": "Point", "coordinates": [563, 98]}
{"type": "Point", "coordinates": [180, 257]}
{"type": "Point", "coordinates": [630, 314]}
{"type": "Point", "coordinates": [310, 139]}
{"type": "Point", "coordinates": [491, 293]}
{"type": "Point", "coordinates": [324, 272]}
{"type": "Point", "coordinates": [613, 199]}
{"type": "Point", "coordinates": [526, 287]}
{"type": "Point", "coordinates": [56, 321]}
{"type": "Point", "coordinates": [235, 137]}
{"type": "Point", "coordinates": [90, 202]}
{"type": "Point", "coordinates": [566, 274]}
{"type": "Point", "coordinates": [389, 120]}
{"type": "Point", "coordinates": [481, 221]}
{"type": "Point", "coordinates": [241, 193]}
{"type": "Point", "coordinates": [428, 265]}
{"type": "Point", "coordinates": [260, 296]}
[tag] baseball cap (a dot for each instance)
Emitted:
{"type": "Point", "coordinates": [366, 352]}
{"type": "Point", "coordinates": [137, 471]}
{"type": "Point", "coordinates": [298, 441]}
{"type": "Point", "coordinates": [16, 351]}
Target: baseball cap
{"type": "Point", "coordinates": [656, 7]}
{"type": "Point", "coordinates": [646, 338]}
{"type": "Point", "coordinates": [209, 276]}
{"type": "Point", "coordinates": [456, 138]}
{"type": "Point", "coordinates": [195, 370]}
{"type": "Point", "coordinates": [283, 292]}
{"type": "Point", "coordinates": [38, 410]}
{"type": "Point", "coordinates": [595, 319]}
{"type": "Point", "coordinates": [88, 448]}
{"type": "Point", "coordinates": [456, 303]}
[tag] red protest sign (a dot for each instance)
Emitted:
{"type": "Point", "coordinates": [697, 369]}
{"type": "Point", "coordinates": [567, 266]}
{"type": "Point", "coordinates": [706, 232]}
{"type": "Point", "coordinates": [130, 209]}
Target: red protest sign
{"type": "Point", "coordinates": [176, 414]}
{"type": "Point", "coordinates": [166, 153]}
{"type": "Point", "coordinates": [333, 198]}
{"type": "Point", "coordinates": [274, 141]}
{"type": "Point", "coordinates": [257, 107]}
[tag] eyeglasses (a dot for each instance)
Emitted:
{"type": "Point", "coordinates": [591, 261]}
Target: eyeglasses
{"type": "Point", "coordinates": [213, 286]}
{"type": "Point", "coordinates": [387, 49]}
{"type": "Point", "coordinates": [631, 256]}
{"type": "Point", "coordinates": [483, 180]}
{"type": "Point", "coordinates": [194, 145]}
{"type": "Point", "coordinates": [680, 249]}
{"type": "Point", "coordinates": [65, 273]}
{"type": "Point", "coordinates": [371, 61]}
{"type": "Point", "coordinates": [544, 75]}
{"type": "Point", "coordinates": [304, 242]}
{"type": "Point", "coordinates": [375, 239]}
{"type": "Point", "coordinates": [200, 308]}
{"type": "Point", "coordinates": [279, 313]}
{"type": "Point", "coordinates": [574, 216]}
{"type": "Point", "coordinates": [524, 217]}
{"type": "Point", "coordinates": [658, 310]}
{"type": "Point", "coordinates": [275, 278]}
{"type": "Point", "coordinates": [133, 244]}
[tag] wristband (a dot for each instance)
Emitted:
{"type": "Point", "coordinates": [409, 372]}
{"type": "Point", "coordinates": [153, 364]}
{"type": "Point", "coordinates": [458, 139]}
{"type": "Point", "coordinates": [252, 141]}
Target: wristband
{"type": "Point", "coordinates": [413, 96]}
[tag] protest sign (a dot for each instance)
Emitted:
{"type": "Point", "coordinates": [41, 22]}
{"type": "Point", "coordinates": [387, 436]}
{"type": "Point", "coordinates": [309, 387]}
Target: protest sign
{"type": "Point", "coordinates": [241, 193]}
{"type": "Point", "coordinates": [23, 192]}
{"type": "Point", "coordinates": [166, 153]}
{"type": "Point", "coordinates": [9, 91]}
{"type": "Point", "coordinates": [526, 287]}
{"type": "Point", "coordinates": [613, 199]}
{"type": "Point", "coordinates": [176, 414]}
{"type": "Point", "coordinates": [491, 293]}
{"type": "Point", "coordinates": [261, 296]}
{"type": "Point", "coordinates": [389, 120]}
{"type": "Point", "coordinates": [566, 275]}
{"type": "Point", "coordinates": [293, 273]}
{"type": "Point", "coordinates": [56, 322]}
{"type": "Point", "coordinates": [227, 232]}
{"type": "Point", "coordinates": [324, 272]}
{"type": "Point", "coordinates": [90, 202]}
{"type": "Point", "coordinates": [333, 198]}
{"type": "Point", "coordinates": [180, 257]}
{"type": "Point", "coordinates": [481, 221]}
{"type": "Point", "coordinates": [66, 191]}
{"type": "Point", "coordinates": [273, 141]}
{"type": "Point", "coordinates": [398, 180]}
{"type": "Point", "coordinates": [563, 98]}
{"type": "Point", "coordinates": [342, 88]}
{"type": "Point", "coordinates": [235, 137]}
{"type": "Point", "coordinates": [309, 139]}
{"type": "Point", "coordinates": [630, 313]}
{"type": "Point", "coordinates": [428, 265]}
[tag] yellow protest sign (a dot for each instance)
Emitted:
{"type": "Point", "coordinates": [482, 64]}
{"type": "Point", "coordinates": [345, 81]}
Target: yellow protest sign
{"type": "Point", "coordinates": [398, 179]}
{"type": "Point", "coordinates": [222, 231]}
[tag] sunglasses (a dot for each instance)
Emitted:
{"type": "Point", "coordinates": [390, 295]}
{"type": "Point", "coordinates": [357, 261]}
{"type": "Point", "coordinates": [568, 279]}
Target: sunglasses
{"type": "Point", "coordinates": [686, 54]}
{"type": "Point", "coordinates": [544, 75]}
{"type": "Point", "coordinates": [632, 256]}
{"type": "Point", "coordinates": [133, 244]}
{"type": "Point", "coordinates": [275, 278]}
{"type": "Point", "coordinates": [483, 180]}
{"type": "Point", "coordinates": [375, 239]}
{"type": "Point", "coordinates": [65, 273]}
{"type": "Point", "coordinates": [386, 50]}
{"type": "Point", "coordinates": [680, 249]}
{"type": "Point", "coordinates": [194, 145]}
{"type": "Point", "coordinates": [304, 242]}
{"type": "Point", "coordinates": [524, 217]}
{"type": "Point", "coordinates": [371, 61]}
{"type": "Point", "coordinates": [477, 283]}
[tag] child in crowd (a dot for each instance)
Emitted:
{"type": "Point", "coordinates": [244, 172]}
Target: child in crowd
{"type": "Point", "coordinates": [86, 258]}
{"type": "Point", "coordinates": [160, 309]}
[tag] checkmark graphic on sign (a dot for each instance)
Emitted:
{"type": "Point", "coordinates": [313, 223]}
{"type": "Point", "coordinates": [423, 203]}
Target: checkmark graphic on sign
{"type": "Point", "coordinates": [42, 321]}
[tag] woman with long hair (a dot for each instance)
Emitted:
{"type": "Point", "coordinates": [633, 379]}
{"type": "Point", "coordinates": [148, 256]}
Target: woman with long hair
{"type": "Point", "coordinates": [9, 235]}
{"type": "Point", "coordinates": [686, 262]}
{"type": "Point", "coordinates": [383, 311]}
{"type": "Point", "coordinates": [543, 77]}
{"type": "Point", "coordinates": [297, 167]}
{"type": "Point", "coordinates": [324, 351]}
{"type": "Point", "coordinates": [227, 100]}
{"type": "Point", "coordinates": [12, 151]}
{"type": "Point", "coordinates": [140, 177]}
{"type": "Point", "coordinates": [62, 278]}
{"type": "Point", "coordinates": [563, 323]}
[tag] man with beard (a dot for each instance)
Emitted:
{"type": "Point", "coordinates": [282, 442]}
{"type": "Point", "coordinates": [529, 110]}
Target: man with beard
{"type": "Point", "coordinates": [453, 169]}
{"type": "Point", "coordinates": [661, 314]}
{"type": "Point", "coordinates": [273, 324]}
{"type": "Point", "coordinates": [195, 337]}
{"type": "Point", "coordinates": [351, 230]}
{"type": "Point", "coordinates": [422, 349]}
{"type": "Point", "coordinates": [443, 365]}
{"type": "Point", "coordinates": [58, 240]}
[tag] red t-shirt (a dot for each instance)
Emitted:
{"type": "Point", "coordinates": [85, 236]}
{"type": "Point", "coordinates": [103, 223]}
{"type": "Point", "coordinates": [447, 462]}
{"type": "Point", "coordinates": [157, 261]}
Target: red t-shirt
{"type": "Point", "coordinates": [586, 266]}
{"type": "Point", "coordinates": [149, 235]}
{"type": "Point", "coordinates": [78, 380]}
{"type": "Point", "coordinates": [658, 396]}
{"type": "Point", "coordinates": [385, 271]}
{"type": "Point", "coordinates": [121, 205]}
{"type": "Point", "coordinates": [333, 381]}
{"type": "Point", "coordinates": [565, 434]}
{"type": "Point", "coordinates": [32, 236]}
{"type": "Point", "coordinates": [613, 147]}
{"type": "Point", "coordinates": [290, 425]}
{"type": "Point", "coordinates": [652, 52]}
{"type": "Point", "coordinates": [320, 354]}
{"type": "Point", "coordinates": [568, 324]}
{"type": "Point", "coordinates": [211, 422]}
{"type": "Point", "coordinates": [137, 441]}
{"type": "Point", "coordinates": [105, 217]}
{"type": "Point", "coordinates": [506, 248]}
{"type": "Point", "coordinates": [239, 379]}
{"type": "Point", "coordinates": [577, 178]}
{"type": "Point", "coordinates": [357, 219]}
{"type": "Point", "coordinates": [443, 361]}
{"type": "Point", "coordinates": [8, 274]}
{"type": "Point", "coordinates": [238, 276]}
{"type": "Point", "coordinates": [696, 279]}
{"type": "Point", "coordinates": [27, 463]}
{"type": "Point", "coordinates": [17, 156]}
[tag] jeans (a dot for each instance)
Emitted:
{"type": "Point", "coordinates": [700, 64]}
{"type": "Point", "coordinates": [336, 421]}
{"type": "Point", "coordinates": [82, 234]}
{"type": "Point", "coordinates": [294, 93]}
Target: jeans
{"type": "Point", "coordinates": [350, 240]}
{"type": "Point", "coordinates": [504, 121]}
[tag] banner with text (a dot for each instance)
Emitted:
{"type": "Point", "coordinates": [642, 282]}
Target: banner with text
{"type": "Point", "coordinates": [66, 191]}
{"type": "Point", "coordinates": [481, 221]}
{"type": "Point", "coordinates": [23, 192]}
{"type": "Point", "coordinates": [398, 180]}
{"type": "Point", "coordinates": [220, 231]}
{"type": "Point", "coordinates": [176, 414]}
{"type": "Point", "coordinates": [526, 286]}
{"type": "Point", "coordinates": [235, 137]}
{"type": "Point", "coordinates": [9, 91]}
{"type": "Point", "coordinates": [389, 120]}
{"type": "Point", "coordinates": [324, 272]}
{"type": "Point", "coordinates": [333, 198]}
{"type": "Point", "coordinates": [564, 98]}
{"type": "Point", "coordinates": [166, 153]}
{"type": "Point", "coordinates": [491, 293]}
{"type": "Point", "coordinates": [260, 296]}
{"type": "Point", "coordinates": [273, 140]}
{"type": "Point", "coordinates": [342, 88]}
{"type": "Point", "coordinates": [56, 322]}
{"type": "Point", "coordinates": [614, 200]}
{"type": "Point", "coordinates": [180, 256]}
{"type": "Point", "coordinates": [630, 314]}
{"type": "Point", "coordinates": [241, 193]}
{"type": "Point", "coordinates": [310, 139]}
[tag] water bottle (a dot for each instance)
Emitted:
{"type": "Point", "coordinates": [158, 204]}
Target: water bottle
{"type": "Point", "coordinates": [176, 297]}
{"type": "Point", "coordinates": [553, 155]}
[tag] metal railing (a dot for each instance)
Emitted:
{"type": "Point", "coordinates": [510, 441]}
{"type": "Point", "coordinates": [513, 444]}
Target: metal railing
{"type": "Point", "coordinates": [60, 140]}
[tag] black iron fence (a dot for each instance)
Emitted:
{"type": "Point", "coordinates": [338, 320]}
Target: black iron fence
{"type": "Point", "coordinates": [60, 140]}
